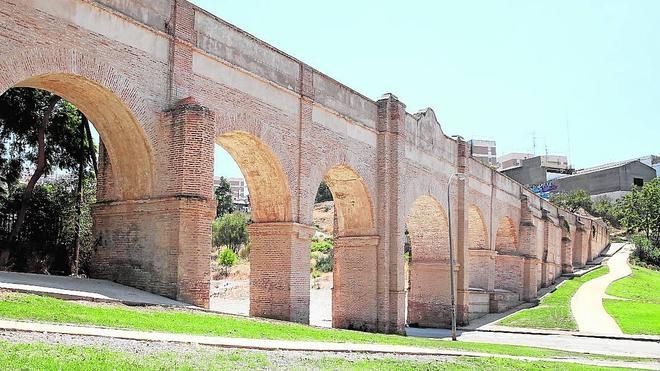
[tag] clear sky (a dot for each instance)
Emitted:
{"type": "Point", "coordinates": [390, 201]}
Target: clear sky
{"type": "Point", "coordinates": [502, 70]}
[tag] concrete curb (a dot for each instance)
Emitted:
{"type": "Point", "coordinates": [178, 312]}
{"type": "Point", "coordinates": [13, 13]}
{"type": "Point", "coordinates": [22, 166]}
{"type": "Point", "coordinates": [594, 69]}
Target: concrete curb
{"type": "Point", "coordinates": [524, 331]}
{"type": "Point", "coordinates": [94, 299]}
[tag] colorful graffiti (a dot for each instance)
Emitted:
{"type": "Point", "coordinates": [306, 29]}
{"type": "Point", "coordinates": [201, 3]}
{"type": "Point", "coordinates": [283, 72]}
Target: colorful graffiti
{"type": "Point", "coordinates": [544, 190]}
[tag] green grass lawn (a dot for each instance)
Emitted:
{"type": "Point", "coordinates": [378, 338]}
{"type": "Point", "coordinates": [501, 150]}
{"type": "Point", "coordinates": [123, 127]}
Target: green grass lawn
{"type": "Point", "coordinates": [554, 311]}
{"type": "Point", "coordinates": [39, 356]}
{"type": "Point", "coordinates": [641, 313]}
{"type": "Point", "coordinates": [45, 309]}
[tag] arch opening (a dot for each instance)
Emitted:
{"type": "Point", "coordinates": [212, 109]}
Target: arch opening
{"type": "Point", "coordinates": [352, 202]}
{"type": "Point", "coordinates": [253, 212]}
{"type": "Point", "coordinates": [122, 135]}
{"type": "Point", "coordinates": [266, 181]}
{"type": "Point", "coordinates": [344, 241]}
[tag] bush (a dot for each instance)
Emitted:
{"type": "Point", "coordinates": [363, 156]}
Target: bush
{"type": "Point", "coordinates": [324, 262]}
{"type": "Point", "coordinates": [45, 243]}
{"type": "Point", "coordinates": [244, 253]}
{"type": "Point", "coordinates": [322, 246]}
{"type": "Point", "coordinates": [226, 259]}
{"type": "Point", "coordinates": [645, 252]}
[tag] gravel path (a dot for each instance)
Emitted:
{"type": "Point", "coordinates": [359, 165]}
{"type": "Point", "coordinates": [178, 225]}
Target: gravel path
{"type": "Point", "coordinates": [278, 357]}
{"type": "Point", "coordinates": [587, 303]}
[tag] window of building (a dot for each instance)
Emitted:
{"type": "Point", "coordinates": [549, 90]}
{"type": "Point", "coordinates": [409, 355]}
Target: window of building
{"type": "Point", "coordinates": [639, 182]}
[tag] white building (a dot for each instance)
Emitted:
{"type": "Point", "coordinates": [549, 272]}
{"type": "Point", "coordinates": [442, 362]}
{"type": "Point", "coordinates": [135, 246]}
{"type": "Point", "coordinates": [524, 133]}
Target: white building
{"type": "Point", "coordinates": [239, 192]}
{"type": "Point", "coordinates": [484, 151]}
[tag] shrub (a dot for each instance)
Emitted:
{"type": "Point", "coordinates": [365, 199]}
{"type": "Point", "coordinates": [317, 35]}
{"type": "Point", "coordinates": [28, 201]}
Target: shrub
{"type": "Point", "coordinates": [322, 246]}
{"type": "Point", "coordinates": [324, 262]}
{"type": "Point", "coordinates": [645, 252]}
{"type": "Point", "coordinates": [226, 259]}
{"type": "Point", "coordinates": [244, 253]}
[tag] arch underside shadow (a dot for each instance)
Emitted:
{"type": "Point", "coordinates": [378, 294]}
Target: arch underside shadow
{"type": "Point", "coordinates": [429, 302]}
{"type": "Point", "coordinates": [122, 136]}
{"type": "Point", "coordinates": [506, 237]}
{"type": "Point", "coordinates": [267, 183]}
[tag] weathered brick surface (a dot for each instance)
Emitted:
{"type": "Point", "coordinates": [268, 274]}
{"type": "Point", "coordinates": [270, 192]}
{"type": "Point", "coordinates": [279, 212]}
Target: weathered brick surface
{"type": "Point", "coordinates": [163, 80]}
{"type": "Point", "coordinates": [429, 303]}
{"type": "Point", "coordinates": [354, 291]}
{"type": "Point", "coordinates": [279, 274]}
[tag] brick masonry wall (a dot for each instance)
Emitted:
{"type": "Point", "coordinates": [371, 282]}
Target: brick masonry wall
{"type": "Point", "coordinates": [279, 271]}
{"type": "Point", "coordinates": [131, 70]}
{"type": "Point", "coordinates": [354, 292]}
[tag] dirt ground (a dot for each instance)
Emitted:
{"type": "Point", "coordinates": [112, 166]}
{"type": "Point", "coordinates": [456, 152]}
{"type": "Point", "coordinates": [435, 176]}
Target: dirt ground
{"type": "Point", "coordinates": [232, 295]}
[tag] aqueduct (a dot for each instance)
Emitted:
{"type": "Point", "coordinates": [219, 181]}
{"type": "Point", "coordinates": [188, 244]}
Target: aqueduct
{"type": "Point", "coordinates": [163, 81]}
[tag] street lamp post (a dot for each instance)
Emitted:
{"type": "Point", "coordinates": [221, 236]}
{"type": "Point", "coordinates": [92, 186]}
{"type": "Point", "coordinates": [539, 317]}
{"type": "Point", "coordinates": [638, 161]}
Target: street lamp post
{"type": "Point", "coordinates": [452, 284]}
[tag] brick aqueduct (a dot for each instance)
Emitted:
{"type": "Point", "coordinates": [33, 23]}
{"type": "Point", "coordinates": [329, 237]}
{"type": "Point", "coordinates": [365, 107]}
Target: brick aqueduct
{"type": "Point", "coordinates": [163, 81]}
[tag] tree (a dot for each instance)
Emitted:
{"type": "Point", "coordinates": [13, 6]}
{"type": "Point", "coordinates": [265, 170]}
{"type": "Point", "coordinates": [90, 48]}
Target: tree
{"type": "Point", "coordinates": [573, 200]}
{"type": "Point", "coordinates": [604, 208]}
{"type": "Point", "coordinates": [323, 194]}
{"type": "Point", "coordinates": [39, 170]}
{"type": "Point", "coordinates": [639, 210]}
{"type": "Point", "coordinates": [223, 196]}
{"type": "Point", "coordinates": [41, 131]}
{"type": "Point", "coordinates": [230, 230]}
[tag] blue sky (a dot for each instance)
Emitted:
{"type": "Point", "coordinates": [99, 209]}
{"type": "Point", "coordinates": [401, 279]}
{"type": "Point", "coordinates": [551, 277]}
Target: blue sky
{"type": "Point", "coordinates": [502, 70]}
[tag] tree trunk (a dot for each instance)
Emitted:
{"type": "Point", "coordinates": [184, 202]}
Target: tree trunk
{"type": "Point", "coordinates": [79, 192]}
{"type": "Point", "coordinates": [90, 142]}
{"type": "Point", "coordinates": [38, 171]}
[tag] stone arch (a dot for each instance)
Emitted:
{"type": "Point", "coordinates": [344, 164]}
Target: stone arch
{"type": "Point", "coordinates": [429, 302]}
{"type": "Point", "coordinates": [477, 237]}
{"type": "Point", "coordinates": [428, 230]}
{"type": "Point", "coordinates": [108, 99]}
{"type": "Point", "coordinates": [506, 237]}
{"type": "Point", "coordinates": [353, 203]}
{"type": "Point", "coordinates": [266, 180]}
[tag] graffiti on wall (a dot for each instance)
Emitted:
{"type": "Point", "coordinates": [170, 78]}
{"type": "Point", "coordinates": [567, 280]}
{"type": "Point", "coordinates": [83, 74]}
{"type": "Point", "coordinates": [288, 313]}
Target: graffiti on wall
{"type": "Point", "coordinates": [544, 190]}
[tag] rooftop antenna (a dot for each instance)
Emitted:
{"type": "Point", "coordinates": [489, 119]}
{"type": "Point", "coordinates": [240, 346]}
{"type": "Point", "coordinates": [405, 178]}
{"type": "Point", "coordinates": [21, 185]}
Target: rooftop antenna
{"type": "Point", "coordinates": [568, 140]}
{"type": "Point", "coordinates": [534, 143]}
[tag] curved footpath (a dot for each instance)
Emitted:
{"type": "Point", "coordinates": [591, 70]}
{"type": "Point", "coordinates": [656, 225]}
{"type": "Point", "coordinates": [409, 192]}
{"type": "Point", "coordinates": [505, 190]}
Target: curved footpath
{"type": "Point", "coordinates": [587, 303]}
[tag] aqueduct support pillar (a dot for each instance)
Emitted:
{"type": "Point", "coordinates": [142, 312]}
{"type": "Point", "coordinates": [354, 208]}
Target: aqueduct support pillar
{"type": "Point", "coordinates": [460, 220]}
{"type": "Point", "coordinates": [389, 217]}
{"type": "Point", "coordinates": [566, 247]}
{"type": "Point", "coordinates": [162, 243]}
{"type": "Point", "coordinates": [279, 270]}
{"type": "Point", "coordinates": [157, 245]}
{"type": "Point", "coordinates": [531, 273]}
{"type": "Point", "coordinates": [354, 292]}
{"type": "Point", "coordinates": [429, 304]}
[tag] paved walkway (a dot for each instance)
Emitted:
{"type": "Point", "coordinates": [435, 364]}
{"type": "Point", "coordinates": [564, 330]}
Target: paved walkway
{"type": "Point", "coordinates": [309, 346]}
{"type": "Point", "coordinates": [81, 288]}
{"type": "Point", "coordinates": [587, 303]}
{"type": "Point", "coordinates": [560, 341]}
